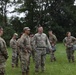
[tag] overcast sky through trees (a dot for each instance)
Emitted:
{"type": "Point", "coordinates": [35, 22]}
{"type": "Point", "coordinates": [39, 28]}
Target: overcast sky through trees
{"type": "Point", "coordinates": [11, 8]}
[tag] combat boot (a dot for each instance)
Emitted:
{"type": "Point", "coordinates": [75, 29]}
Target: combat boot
{"type": "Point", "coordinates": [17, 65]}
{"type": "Point", "coordinates": [69, 60]}
{"type": "Point", "coordinates": [73, 59]}
{"type": "Point", "coordinates": [54, 59]}
{"type": "Point", "coordinates": [27, 72]}
{"type": "Point", "coordinates": [42, 68]}
{"type": "Point", "coordinates": [1, 73]}
{"type": "Point", "coordinates": [36, 69]}
{"type": "Point", "coordinates": [23, 73]}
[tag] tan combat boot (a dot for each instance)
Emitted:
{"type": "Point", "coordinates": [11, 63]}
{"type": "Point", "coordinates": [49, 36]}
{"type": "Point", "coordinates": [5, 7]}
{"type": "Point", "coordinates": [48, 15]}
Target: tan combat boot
{"type": "Point", "coordinates": [23, 73]}
{"type": "Point", "coordinates": [1, 73]}
{"type": "Point", "coordinates": [27, 72]}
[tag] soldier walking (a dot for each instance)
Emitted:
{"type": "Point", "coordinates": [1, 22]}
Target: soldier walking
{"type": "Point", "coordinates": [41, 42]}
{"type": "Point", "coordinates": [69, 42]}
{"type": "Point", "coordinates": [53, 40]}
{"type": "Point", "coordinates": [3, 53]}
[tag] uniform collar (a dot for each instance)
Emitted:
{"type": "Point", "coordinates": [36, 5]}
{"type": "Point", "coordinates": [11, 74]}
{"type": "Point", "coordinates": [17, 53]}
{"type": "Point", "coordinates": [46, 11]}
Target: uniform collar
{"type": "Point", "coordinates": [40, 34]}
{"type": "Point", "coordinates": [25, 35]}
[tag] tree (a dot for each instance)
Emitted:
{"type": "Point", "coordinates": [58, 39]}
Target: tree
{"type": "Point", "coordinates": [3, 11]}
{"type": "Point", "coordinates": [58, 15]}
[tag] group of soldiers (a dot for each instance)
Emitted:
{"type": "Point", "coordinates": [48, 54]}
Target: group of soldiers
{"type": "Point", "coordinates": [28, 45]}
{"type": "Point", "coordinates": [32, 45]}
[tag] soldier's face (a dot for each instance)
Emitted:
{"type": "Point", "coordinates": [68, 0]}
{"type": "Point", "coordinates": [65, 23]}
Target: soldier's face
{"type": "Point", "coordinates": [69, 34]}
{"type": "Point", "coordinates": [50, 32]}
{"type": "Point", "coordinates": [40, 29]}
{"type": "Point", "coordinates": [15, 36]}
{"type": "Point", "coordinates": [27, 31]}
{"type": "Point", "coordinates": [1, 31]}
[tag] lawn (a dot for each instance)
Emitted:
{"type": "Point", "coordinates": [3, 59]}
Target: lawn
{"type": "Point", "coordinates": [60, 67]}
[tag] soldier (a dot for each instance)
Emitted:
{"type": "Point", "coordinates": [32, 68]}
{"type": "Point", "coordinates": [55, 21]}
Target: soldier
{"type": "Point", "coordinates": [13, 45]}
{"type": "Point", "coordinates": [41, 42]}
{"type": "Point", "coordinates": [18, 47]}
{"type": "Point", "coordinates": [3, 53]}
{"type": "Point", "coordinates": [69, 41]}
{"type": "Point", "coordinates": [53, 40]}
{"type": "Point", "coordinates": [32, 53]}
{"type": "Point", "coordinates": [25, 51]}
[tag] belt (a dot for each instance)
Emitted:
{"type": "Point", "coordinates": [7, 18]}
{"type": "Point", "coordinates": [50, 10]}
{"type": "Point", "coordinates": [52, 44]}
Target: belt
{"type": "Point", "coordinates": [41, 48]}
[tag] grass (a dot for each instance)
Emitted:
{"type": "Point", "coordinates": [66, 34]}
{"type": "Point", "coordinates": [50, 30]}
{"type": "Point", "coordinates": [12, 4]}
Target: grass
{"type": "Point", "coordinates": [60, 67]}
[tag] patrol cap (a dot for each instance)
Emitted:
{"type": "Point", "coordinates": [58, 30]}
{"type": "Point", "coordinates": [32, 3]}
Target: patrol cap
{"type": "Point", "coordinates": [15, 34]}
{"type": "Point", "coordinates": [26, 28]}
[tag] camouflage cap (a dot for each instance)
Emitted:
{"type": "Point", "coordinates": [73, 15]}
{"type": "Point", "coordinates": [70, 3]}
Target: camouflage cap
{"type": "Point", "coordinates": [15, 34]}
{"type": "Point", "coordinates": [26, 28]}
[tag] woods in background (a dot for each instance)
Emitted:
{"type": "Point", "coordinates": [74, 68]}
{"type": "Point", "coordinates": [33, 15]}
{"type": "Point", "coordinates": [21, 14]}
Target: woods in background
{"type": "Point", "coordinates": [57, 15]}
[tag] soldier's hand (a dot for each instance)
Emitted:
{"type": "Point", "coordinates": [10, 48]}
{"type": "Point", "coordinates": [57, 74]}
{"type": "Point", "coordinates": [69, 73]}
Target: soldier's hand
{"type": "Point", "coordinates": [26, 51]}
{"type": "Point", "coordinates": [66, 45]}
{"type": "Point", "coordinates": [50, 51]}
{"type": "Point", "coordinates": [52, 44]}
{"type": "Point", "coordinates": [29, 48]}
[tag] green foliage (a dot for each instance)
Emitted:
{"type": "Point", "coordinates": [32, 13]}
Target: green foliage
{"type": "Point", "coordinates": [17, 24]}
{"type": "Point", "coordinates": [58, 15]}
{"type": "Point", "coordinates": [8, 33]}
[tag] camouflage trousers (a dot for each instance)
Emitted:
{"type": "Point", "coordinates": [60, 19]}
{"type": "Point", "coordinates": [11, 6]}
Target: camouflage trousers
{"type": "Point", "coordinates": [53, 58]}
{"type": "Point", "coordinates": [17, 59]}
{"type": "Point", "coordinates": [40, 55]}
{"type": "Point", "coordinates": [14, 57]}
{"type": "Point", "coordinates": [2, 68]}
{"type": "Point", "coordinates": [70, 54]}
{"type": "Point", "coordinates": [18, 55]}
{"type": "Point", "coordinates": [25, 61]}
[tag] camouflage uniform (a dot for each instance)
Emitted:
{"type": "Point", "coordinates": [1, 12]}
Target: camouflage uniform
{"type": "Point", "coordinates": [18, 48]}
{"type": "Point", "coordinates": [53, 40]}
{"type": "Point", "coordinates": [33, 52]}
{"type": "Point", "coordinates": [41, 42]}
{"type": "Point", "coordinates": [69, 41]}
{"type": "Point", "coordinates": [13, 45]}
{"type": "Point", "coordinates": [3, 56]}
{"type": "Point", "coordinates": [25, 52]}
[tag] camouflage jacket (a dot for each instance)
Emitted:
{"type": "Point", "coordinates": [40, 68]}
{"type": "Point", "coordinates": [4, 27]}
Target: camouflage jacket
{"type": "Point", "coordinates": [25, 43]}
{"type": "Point", "coordinates": [3, 51]}
{"type": "Point", "coordinates": [13, 43]}
{"type": "Point", "coordinates": [41, 41]}
{"type": "Point", "coordinates": [52, 39]}
{"type": "Point", "coordinates": [31, 41]}
{"type": "Point", "coordinates": [18, 45]}
{"type": "Point", "coordinates": [69, 41]}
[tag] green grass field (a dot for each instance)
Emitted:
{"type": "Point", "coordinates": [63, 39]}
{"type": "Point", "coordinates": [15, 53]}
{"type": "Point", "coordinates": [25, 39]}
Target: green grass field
{"type": "Point", "coordinates": [60, 67]}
